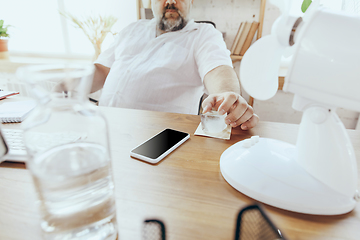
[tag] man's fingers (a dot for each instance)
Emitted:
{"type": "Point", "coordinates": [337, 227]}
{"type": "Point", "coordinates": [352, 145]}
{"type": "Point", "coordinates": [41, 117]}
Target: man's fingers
{"type": "Point", "coordinates": [243, 117]}
{"type": "Point", "coordinates": [208, 104]}
{"type": "Point", "coordinates": [229, 101]}
{"type": "Point", "coordinates": [238, 110]}
{"type": "Point", "coordinates": [250, 123]}
{"type": "Point", "coordinates": [207, 108]}
{"type": "Point", "coordinates": [212, 101]}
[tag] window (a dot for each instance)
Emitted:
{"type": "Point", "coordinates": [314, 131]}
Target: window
{"type": "Point", "coordinates": [350, 6]}
{"type": "Point", "coordinates": [39, 29]}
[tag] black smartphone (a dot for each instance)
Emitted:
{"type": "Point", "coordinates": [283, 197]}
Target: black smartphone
{"type": "Point", "coordinates": [159, 146]}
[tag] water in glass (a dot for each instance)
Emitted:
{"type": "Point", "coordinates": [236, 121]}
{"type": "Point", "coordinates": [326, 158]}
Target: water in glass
{"type": "Point", "coordinates": [74, 184]}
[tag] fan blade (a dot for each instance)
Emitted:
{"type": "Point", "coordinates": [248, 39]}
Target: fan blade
{"type": "Point", "coordinates": [311, 10]}
{"type": "Point", "coordinates": [260, 67]}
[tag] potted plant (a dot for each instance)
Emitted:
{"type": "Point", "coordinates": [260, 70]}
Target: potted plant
{"type": "Point", "coordinates": [95, 28]}
{"type": "Point", "coordinates": [4, 37]}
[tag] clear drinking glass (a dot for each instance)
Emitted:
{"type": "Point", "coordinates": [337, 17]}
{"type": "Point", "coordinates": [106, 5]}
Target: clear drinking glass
{"type": "Point", "coordinates": [213, 122]}
{"type": "Point", "coordinates": [68, 150]}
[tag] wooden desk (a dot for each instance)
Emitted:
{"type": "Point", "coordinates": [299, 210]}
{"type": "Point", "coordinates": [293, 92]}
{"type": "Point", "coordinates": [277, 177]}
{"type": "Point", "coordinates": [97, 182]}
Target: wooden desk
{"type": "Point", "coordinates": [186, 190]}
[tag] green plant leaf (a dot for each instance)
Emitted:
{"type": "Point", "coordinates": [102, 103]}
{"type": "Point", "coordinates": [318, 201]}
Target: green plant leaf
{"type": "Point", "coordinates": [3, 29]}
{"type": "Point", "coordinates": [305, 5]}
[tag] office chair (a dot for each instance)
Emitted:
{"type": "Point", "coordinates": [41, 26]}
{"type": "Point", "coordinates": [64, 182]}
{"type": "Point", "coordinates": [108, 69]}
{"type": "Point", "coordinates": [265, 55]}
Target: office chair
{"type": "Point", "coordinates": [209, 22]}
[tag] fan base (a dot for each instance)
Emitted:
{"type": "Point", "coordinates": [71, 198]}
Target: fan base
{"type": "Point", "coordinates": [268, 172]}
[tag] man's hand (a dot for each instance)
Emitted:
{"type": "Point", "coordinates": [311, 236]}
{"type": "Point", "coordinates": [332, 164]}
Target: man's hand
{"type": "Point", "coordinates": [224, 95]}
{"type": "Point", "coordinates": [239, 112]}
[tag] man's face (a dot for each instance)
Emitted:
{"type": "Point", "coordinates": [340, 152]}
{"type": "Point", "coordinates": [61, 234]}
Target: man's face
{"type": "Point", "coordinates": [171, 15]}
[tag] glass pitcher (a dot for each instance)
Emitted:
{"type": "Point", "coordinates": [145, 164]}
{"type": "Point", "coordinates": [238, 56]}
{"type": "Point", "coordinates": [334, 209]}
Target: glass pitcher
{"type": "Point", "coordinates": [68, 154]}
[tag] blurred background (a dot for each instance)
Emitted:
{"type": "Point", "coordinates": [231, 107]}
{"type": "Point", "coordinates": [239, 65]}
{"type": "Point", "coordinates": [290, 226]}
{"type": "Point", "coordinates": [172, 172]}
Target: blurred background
{"type": "Point", "coordinates": [39, 33]}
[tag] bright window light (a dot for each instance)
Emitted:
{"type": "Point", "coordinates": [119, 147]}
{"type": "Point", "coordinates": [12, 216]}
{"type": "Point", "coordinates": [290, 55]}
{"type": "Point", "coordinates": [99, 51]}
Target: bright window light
{"type": "Point", "coordinates": [332, 4]}
{"type": "Point", "coordinates": [39, 29]}
{"type": "Point", "coordinates": [350, 6]}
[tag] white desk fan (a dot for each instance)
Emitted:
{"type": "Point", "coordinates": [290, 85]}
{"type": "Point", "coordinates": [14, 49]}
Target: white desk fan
{"type": "Point", "coordinates": [319, 174]}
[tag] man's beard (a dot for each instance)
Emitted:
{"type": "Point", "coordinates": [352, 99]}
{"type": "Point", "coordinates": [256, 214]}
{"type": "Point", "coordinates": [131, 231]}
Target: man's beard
{"type": "Point", "coordinates": [167, 25]}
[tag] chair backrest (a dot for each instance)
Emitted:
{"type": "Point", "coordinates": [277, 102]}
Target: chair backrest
{"type": "Point", "coordinates": [209, 22]}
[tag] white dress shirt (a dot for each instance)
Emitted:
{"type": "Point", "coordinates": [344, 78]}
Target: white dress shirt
{"type": "Point", "coordinates": [163, 73]}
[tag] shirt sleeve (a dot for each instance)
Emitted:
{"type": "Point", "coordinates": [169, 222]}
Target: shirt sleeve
{"type": "Point", "coordinates": [107, 57]}
{"type": "Point", "coordinates": [211, 51]}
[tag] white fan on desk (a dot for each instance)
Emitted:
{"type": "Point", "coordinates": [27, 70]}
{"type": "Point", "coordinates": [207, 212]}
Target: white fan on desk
{"type": "Point", "coordinates": [319, 174]}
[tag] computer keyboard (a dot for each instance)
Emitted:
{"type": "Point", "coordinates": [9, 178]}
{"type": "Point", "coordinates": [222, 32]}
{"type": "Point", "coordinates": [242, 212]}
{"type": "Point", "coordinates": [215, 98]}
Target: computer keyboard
{"type": "Point", "coordinates": [17, 151]}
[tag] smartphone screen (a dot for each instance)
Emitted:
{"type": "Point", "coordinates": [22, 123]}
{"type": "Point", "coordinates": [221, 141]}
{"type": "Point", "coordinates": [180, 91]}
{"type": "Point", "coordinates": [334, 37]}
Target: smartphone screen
{"type": "Point", "coordinates": [160, 144]}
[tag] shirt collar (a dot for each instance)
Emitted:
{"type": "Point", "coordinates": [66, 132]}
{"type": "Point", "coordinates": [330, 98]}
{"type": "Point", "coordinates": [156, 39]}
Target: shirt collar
{"type": "Point", "coordinates": [190, 26]}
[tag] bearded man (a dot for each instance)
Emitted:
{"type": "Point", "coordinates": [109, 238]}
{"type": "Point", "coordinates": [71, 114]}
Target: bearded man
{"type": "Point", "coordinates": [168, 63]}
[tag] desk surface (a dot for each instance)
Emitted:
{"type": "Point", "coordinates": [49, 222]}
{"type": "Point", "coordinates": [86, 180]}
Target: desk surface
{"type": "Point", "coordinates": [186, 190]}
